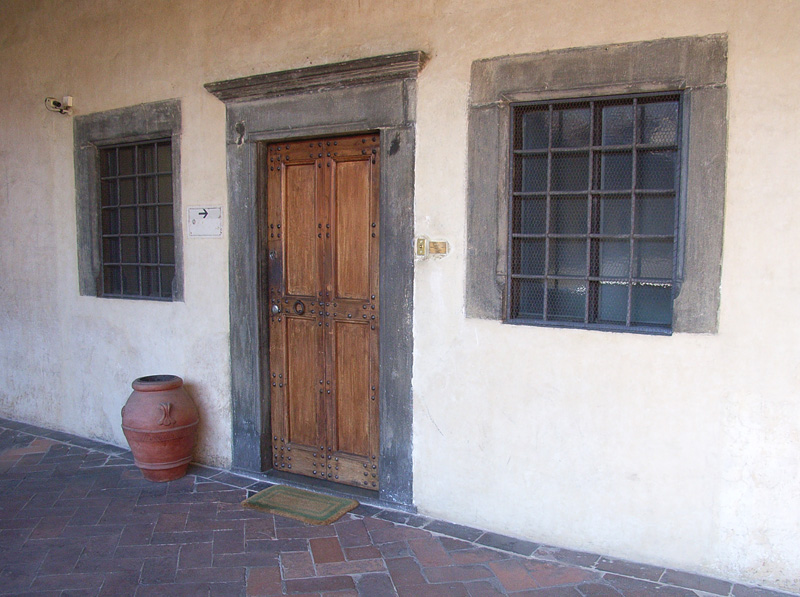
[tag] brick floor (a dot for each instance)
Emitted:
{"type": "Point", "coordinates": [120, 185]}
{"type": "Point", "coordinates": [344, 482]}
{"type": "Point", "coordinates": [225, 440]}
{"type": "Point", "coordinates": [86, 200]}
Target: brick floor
{"type": "Point", "coordinates": [77, 518]}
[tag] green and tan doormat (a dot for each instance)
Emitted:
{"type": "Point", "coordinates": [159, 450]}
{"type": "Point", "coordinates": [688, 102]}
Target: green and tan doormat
{"type": "Point", "coordinates": [312, 508]}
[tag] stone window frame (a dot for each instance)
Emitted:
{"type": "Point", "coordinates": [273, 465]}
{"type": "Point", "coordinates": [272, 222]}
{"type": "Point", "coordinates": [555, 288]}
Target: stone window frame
{"type": "Point", "coordinates": [695, 66]}
{"type": "Point", "coordinates": [91, 132]}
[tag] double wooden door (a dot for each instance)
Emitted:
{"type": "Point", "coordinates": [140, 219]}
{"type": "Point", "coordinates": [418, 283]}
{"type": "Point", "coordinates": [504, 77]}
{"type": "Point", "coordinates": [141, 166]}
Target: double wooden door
{"type": "Point", "coordinates": [322, 233]}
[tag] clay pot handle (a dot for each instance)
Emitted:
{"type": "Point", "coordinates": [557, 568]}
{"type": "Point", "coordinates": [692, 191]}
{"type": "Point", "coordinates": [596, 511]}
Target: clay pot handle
{"type": "Point", "coordinates": [166, 415]}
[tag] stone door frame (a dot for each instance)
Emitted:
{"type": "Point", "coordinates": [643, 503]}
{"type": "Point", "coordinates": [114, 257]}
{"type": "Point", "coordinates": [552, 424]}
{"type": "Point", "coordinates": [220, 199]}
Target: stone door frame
{"type": "Point", "coordinates": [371, 94]}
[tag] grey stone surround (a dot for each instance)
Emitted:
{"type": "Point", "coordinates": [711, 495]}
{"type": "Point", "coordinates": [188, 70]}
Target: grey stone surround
{"type": "Point", "coordinates": [90, 131]}
{"type": "Point", "coordinates": [695, 65]}
{"type": "Point", "coordinates": [368, 95]}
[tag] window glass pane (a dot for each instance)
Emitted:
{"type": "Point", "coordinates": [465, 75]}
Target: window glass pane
{"type": "Point", "coordinates": [567, 257]}
{"type": "Point", "coordinates": [530, 216]}
{"type": "Point", "coordinates": [167, 273]}
{"type": "Point", "coordinates": [616, 171]}
{"type": "Point", "coordinates": [566, 300]}
{"type": "Point", "coordinates": [130, 279]}
{"type": "Point", "coordinates": [656, 170]}
{"type": "Point", "coordinates": [127, 191]}
{"type": "Point", "coordinates": [127, 160]}
{"type": "Point", "coordinates": [568, 215]}
{"type": "Point", "coordinates": [618, 125]}
{"type": "Point", "coordinates": [653, 259]}
{"type": "Point", "coordinates": [150, 279]}
{"type": "Point", "coordinates": [614, 258]}
{"type": "Point", "coordinates": [136, 208]}
{"type": "Point", "coordinates": [127, 220]}
{"type": "Point", "coordinates": [112, 280]}
{"type": "Point", "coordinates": [147, 158]}
{"type": "Point", "coordinates": [533, 174]}
{"type": "Point", "coordinates": [148, 247]}
{"type": "Point", "coordinates": [570, 172]}
{"type": "Point", "coordinates": [147, 220]}
{"type": "Point", "coordinates": [658, 122]}
{"type": "Point", "coordinates": [165, 157]}
{"type": "Point", "coordinates": [167, 247]}
{"type": "Point", "coordinates": [571, 127]}
{"type": "Point", "coordinates": [110, 223]}
{"type": "Point", "coordinates": [108, 193]}
{"type": "Point", "coordinates": [615, 215]}
{"type": "Point", "coordinates": [527, 298]}
{"type": "Point", "coordinates": [528, 257]}
{"type": "Point", "coordinates": [655, 215]}
{"type": "Point", "coordinates": [165, 218]}
{"type": "Point", "coordinates": [612, 306]}
{"type": "Point", "coordinates": [129, 252]}
{"type": "Point", "coordinates": [651, 304]}
{"type": "Point", "coordinates": [587, 162]}
{"type": "Point", "coordinates": [165, 188]}
{"type": "Point", "coordinates": [147, 189]}
{"type": "Point", "coordinates": [108, 162]}
{"type": "Point", "coordinates": [111, 252]}
{"type": "Point", "coordinates": [535, 129]}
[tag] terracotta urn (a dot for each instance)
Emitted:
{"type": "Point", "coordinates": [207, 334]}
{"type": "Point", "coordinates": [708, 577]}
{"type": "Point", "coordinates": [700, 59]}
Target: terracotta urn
{"type": "Point", "coordinates": [160, 423]}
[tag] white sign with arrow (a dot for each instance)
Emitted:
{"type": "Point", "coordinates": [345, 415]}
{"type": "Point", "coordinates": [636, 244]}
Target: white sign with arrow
{"type": "Point", "coordinates": [205, 222]}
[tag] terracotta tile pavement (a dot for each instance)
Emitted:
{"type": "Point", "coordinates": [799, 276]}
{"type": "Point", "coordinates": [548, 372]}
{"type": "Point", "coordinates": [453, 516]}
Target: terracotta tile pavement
{"type": "Point", "coordinates": [77, 518]}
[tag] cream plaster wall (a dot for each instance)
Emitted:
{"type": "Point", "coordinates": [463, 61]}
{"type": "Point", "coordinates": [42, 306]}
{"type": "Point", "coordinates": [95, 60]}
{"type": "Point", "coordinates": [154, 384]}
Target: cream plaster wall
{"type": "Point", "coordinates": [681, 451]}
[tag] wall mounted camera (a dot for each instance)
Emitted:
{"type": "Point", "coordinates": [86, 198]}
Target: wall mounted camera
{"type": "Point", "coordinates": [62, 106]}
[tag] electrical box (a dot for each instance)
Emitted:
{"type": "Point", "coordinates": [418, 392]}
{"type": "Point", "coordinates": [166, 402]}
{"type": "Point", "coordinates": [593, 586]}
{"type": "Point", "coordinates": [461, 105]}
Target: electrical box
{"type": "Point", "coordinates": [437, 247]}
{"type": "Point", "coordinates": [424, 248]}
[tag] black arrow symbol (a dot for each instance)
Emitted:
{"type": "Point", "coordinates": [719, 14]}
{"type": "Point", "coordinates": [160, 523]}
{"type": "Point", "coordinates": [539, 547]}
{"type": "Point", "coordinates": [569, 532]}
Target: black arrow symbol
{"type": "Point", "coordinates": [204, 213]}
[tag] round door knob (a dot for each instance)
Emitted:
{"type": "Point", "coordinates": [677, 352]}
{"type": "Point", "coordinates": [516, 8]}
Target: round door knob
{"type": "Point", "coordinates": [275, 309]}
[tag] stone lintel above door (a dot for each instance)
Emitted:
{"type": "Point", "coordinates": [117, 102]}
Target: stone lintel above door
{"type": "Point", "coordinates": [404, 65]}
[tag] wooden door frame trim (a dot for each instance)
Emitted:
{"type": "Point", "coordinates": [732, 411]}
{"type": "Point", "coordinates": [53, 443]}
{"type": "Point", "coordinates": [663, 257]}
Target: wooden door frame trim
{"type": "Point", "coordinates": [383, 100]}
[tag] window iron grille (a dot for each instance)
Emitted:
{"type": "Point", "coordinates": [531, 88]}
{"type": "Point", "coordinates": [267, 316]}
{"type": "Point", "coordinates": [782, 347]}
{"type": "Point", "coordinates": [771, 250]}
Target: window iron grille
{"type": "Point", "coordinates": [593, 220]}
{"type": "Point", "coordinates": [136, 220]}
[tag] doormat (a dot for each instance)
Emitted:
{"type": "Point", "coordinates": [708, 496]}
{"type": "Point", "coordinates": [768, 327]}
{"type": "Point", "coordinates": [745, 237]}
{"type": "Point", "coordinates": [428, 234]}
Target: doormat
{"type": "Point", "coordinates": [312, 508]}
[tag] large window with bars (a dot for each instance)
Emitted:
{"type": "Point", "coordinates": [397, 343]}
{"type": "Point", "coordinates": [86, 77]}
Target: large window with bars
{"type": "Point", "coordinates": [136, 219]}
{"type": "Point", "coordinates": [594, 212]}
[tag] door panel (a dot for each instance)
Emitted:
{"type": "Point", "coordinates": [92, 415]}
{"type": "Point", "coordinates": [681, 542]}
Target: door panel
{"type": "Point", "coordinates": [324, 309]}
{"type": "Point", "coordinates": [302, 387]}
{"type": "Point", "coordinates": [302, 273]}
{"type": "Point", "coordinates": [352, 387]}
{"type": "Point", "coordinates": [352, 219]}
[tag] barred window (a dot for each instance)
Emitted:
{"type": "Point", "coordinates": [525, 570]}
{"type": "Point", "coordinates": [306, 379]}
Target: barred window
{"type": "Point", "coordinates": [136, 219]}
{"type": "Point", "coordinates": [593, 221]}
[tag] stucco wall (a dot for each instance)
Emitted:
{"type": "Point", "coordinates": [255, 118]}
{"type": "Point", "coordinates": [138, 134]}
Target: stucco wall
{"type": "Point", "coordinates": [678, 450]}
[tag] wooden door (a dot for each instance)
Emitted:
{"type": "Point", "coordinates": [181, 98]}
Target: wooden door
{"type": "Point", "coordinates": [324, 314]}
